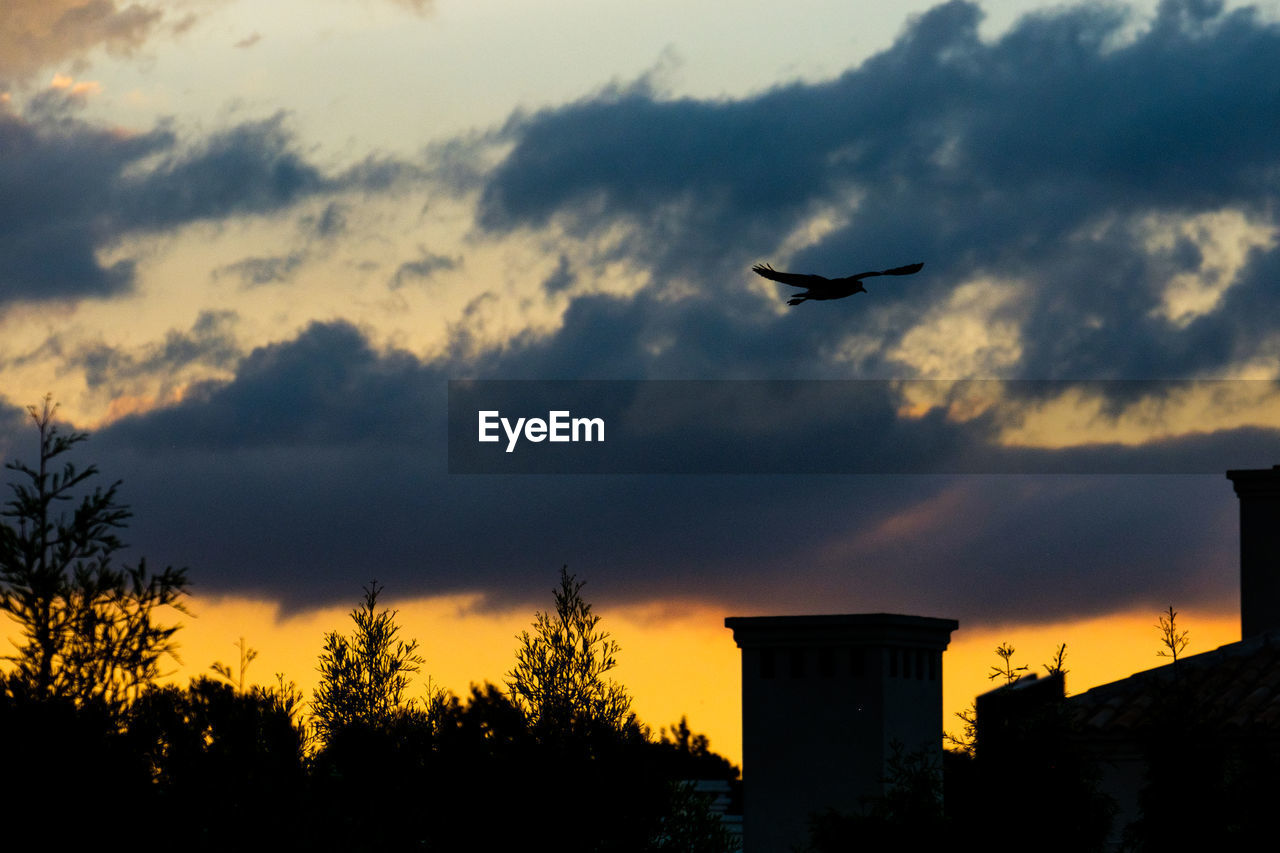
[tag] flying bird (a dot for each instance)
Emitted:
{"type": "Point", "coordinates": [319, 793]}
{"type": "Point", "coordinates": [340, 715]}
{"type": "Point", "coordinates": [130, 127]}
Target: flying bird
{"type": "Point", "coordinates": [820, 287]}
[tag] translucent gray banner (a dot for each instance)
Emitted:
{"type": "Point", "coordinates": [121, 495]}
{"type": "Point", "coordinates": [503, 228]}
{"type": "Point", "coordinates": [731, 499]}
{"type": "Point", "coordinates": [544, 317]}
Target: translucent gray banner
{"type": "Point", "coordinates": [862, 427]}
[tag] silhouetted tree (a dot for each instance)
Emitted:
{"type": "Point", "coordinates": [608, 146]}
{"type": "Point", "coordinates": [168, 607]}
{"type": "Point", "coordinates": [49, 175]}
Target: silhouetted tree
{"type": "Point", "coordinates": [90, 631]}
{"type": "Point", "coordinates": [1006, 669]}
{"type": "Point", "coordinates": [1172, 640]}
{"type": "Point", "coordinates": [1019, 769]}
{"type": "Point", "coordinates": [376, 742]}
{"type": "Point", "coordinates": [690, 755]}
{"type": "Point", "coordinates": [488, 723]}
{"type": "Point", "coordinates": [1190, 800]}
{"type": "Point", "coordinates": [570, 770]}
{"type": "Point", "coordinates": [236, 677]}
{"type": "Point", "coordinates": [1028, 754]}
{"type": "Point", "coordinates": [690, 825]}
{"type": "Point", "coordinates": [1058, 663]}
{"type": "Point", "coordinates": [569, 728]}
{"type": "Point", "coordinates": [363, 678]}
{"type": "Point", "coordinates": [559, 680]}
{"type": "Point", "coordinates": [487, 763]}
{"type": "Point", "coordinates": [227, 766]}
{"type": "Point", "coordinates": [377, 785]}
{"type": "Point", "coordinates": [66, 769]}
{"type": "Point", "coordinates": [964, 742]}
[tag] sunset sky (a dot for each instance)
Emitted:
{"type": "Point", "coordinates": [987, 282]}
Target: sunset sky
{"type": "Point", "coordinates": [246, 245]}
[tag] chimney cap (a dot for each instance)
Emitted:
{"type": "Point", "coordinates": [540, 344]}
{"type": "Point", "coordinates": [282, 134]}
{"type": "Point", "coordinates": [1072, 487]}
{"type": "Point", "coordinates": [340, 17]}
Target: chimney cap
{"type": "Point", "coordinates": [843, 628]}
{"type": "Point", "coordinates": [1256, 482]}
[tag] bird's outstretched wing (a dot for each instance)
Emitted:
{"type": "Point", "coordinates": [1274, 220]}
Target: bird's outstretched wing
{"type": "Point", "coordinates": [793, 278]}
{"type": "Point", "coordinates": [817, 281]}
{"type": "Point", "coordinates": [909, 269]}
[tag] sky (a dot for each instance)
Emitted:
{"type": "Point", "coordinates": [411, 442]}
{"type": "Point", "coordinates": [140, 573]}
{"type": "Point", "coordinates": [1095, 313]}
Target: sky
{"type": "Point", "coordinates": [246, 246]}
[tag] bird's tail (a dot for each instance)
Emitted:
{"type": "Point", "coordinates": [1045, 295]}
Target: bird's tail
{"type": "Point", "coordinates": [797, 299]}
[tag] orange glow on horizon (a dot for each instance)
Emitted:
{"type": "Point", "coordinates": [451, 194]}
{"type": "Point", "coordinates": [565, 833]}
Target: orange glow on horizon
{"type": "Point", "coordinates": [676, 659]}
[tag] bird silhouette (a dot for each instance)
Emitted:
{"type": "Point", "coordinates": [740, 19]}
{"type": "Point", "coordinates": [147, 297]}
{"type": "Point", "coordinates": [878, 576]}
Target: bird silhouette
{"type": "Point", "coordinates": [820, 287]}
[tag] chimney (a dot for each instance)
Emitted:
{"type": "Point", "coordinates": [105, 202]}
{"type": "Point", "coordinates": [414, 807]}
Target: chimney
{"type": "Point", "coordinates": [824, 701]}
{"type": "Point", "coordinates": [1259, 493]}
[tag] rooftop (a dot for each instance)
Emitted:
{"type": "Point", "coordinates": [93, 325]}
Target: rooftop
{"type": "Point", "coordinates": [1234, 689]}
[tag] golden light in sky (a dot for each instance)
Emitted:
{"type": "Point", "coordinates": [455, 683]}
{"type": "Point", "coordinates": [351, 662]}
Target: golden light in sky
{"type": "Point", "coordinates": [675, 661]}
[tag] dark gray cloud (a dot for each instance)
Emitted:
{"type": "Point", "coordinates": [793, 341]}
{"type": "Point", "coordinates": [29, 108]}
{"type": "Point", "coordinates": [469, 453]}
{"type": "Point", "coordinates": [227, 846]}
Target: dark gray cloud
{"type": "Point", "coordinates": [73, 188]}
{"type": "Point", "coordinates": [1035, 158]}
{"type": "Point", "coordinates": [13, 423]}
{"type": "Point", "coordinates": [253, 167]}
{"type": "Point", "coordinates": [323, 463]}
{"type": "Point", "coordinates": [326, 387]}
{"type": "Point", "coordinates": [59, 178]}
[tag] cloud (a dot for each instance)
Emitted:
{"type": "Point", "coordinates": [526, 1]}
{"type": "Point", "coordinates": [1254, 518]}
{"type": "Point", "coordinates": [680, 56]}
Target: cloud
{"type": "Point", "coordinates": [75, 188]}
{"type": "Point", "coordinates": [322, 460]}
{"type": "Point", "coordinates": [59, 181]}
{"type": "Point", "coordinates": [328, 386]}
{"type": "Point", "coordinates": [253, 272]}
{"type": "Point", "coordinates": [1035, 166]}
{"type": "Point", "coordinates": [561, 279]}
{"type": "Point", "coordinates": [210, 343]}
{"type": "Point", "coordinates": [427, 265]}
{"type": "Point", "coordinates": [253, 167]}
{"type": "Point", "coordinates": [331, 222]}
{"type": "Point", "coordinates": [37, 33]}
{"type": "Point", "coordinates": [14, 422]}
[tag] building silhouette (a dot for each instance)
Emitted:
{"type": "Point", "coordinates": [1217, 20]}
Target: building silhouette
{"type": "Point", "coordinates": [825, 701]}
{"type": "Point", "coordinates": [1185, 752]}
{"type": "Point", "coordinates": [1223, 703]}
{"type": "Point", "coordinates": [826, 698]}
